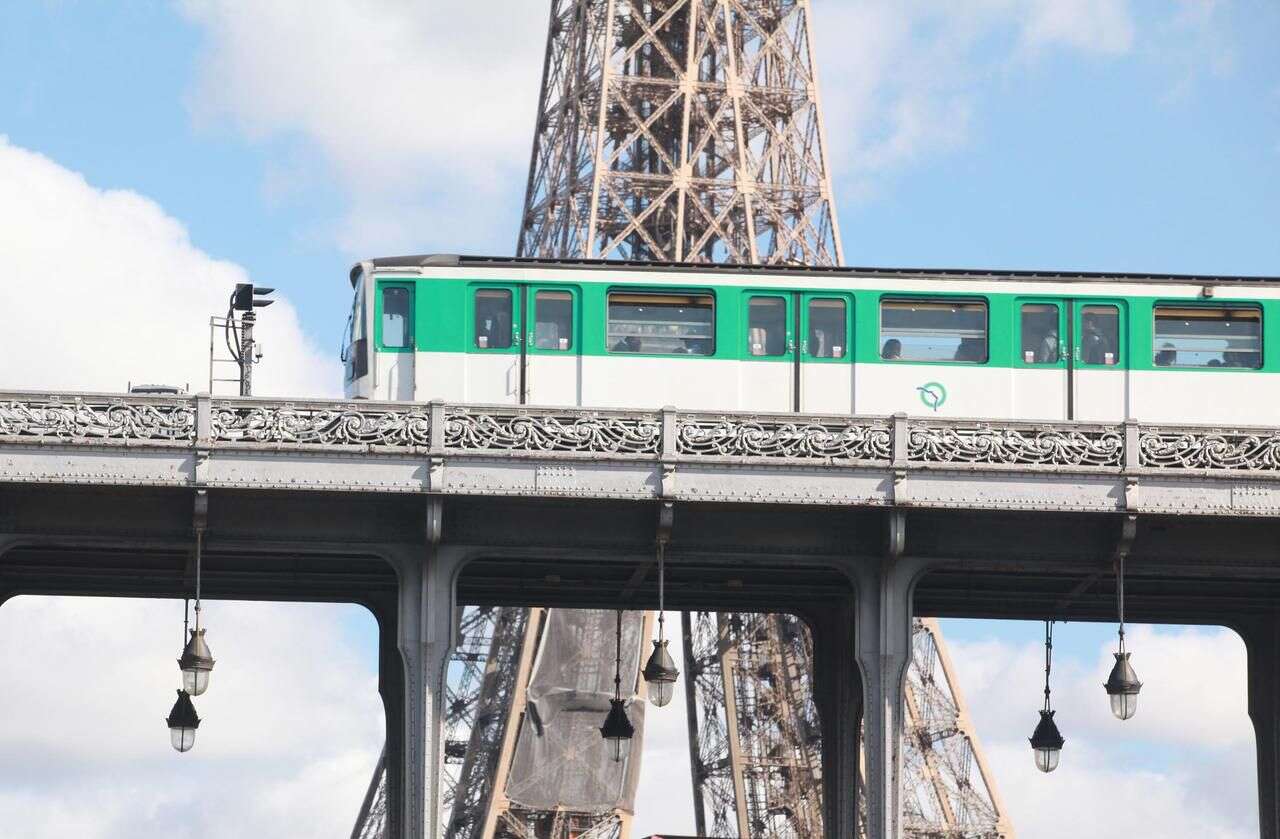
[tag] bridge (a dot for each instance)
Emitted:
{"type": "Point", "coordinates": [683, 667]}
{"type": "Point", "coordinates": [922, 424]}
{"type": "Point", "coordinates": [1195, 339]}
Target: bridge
{"type": "Point", "coordinates": [853, 523]}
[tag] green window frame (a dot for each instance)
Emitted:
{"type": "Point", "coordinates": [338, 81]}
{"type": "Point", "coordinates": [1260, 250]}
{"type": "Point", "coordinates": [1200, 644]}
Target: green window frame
{"type": "Point", "coordinates": [768, 333]}
{"type": "Point", "coordinates": [394, 319]}
{"type": "Point", "coordinates": [1196, 336]}
{"type": "Point", "coordinates": [929, 329]}
{"type": "Point", "coordinates": [660, 322]}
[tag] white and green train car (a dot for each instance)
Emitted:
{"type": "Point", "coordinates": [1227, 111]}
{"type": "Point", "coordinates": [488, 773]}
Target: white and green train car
{"type": "Point", "coordinates": [998, 344]}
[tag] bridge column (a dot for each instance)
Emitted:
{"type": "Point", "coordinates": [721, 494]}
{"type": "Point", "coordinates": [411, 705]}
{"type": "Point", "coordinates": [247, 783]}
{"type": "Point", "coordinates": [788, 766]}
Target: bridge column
{"type": "Point", "coordinates": [1262, 640]}
{"type": "Point", "coordinates": [838, 695]}
{"type": "Point", "coordinates": [423, 640]}
{"type": "Point", "coordinates": [882, 642]}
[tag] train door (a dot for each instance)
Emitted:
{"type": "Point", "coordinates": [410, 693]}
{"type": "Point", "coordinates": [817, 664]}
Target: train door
{"type": "Point", "coordinates": [553, 368]}
{"type": "Point", "coordinates": [825, 367]}
{"type": "Point", "coordinates": [394, 341]}
{"type": "Point", "coordinates": [1099, 378]}
{"type": "Point", "coordinates": [1041, 364]}
{"type": "Point", "coordinates": [767, 374]}
{"type": "Point", "coordinates": [494, 359]}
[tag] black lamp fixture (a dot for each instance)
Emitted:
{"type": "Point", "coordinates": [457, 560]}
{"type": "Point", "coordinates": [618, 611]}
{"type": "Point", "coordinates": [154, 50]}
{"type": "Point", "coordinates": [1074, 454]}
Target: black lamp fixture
{"type": "Point", "coordinates": [196, 661]}
{"type": "Point", "coordinates": [660, 671]}
{"type": "Point", "coordinates": [617, 729]}
{"type": "Point", "coordinates": [183, 722]}
{"type": "Point", "coordinates": [1046, 741]}
{"type": "Point", "coordinates": [1122, 685]}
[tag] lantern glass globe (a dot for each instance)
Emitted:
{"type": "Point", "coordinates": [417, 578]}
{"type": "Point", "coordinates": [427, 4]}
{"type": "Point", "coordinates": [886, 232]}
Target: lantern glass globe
{"type": "Point", "coordinates": [195, 682]}
{"type": "Point", "coordinates": [1047, 759]}
{"type": "Point", "coordinates": [660, 693]}
{"type": "Point", "coordinates": [182, 738]}
{"type": "Point", "coordinates": [1124, 705]}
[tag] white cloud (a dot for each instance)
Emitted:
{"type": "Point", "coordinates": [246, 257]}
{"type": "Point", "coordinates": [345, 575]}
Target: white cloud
{"type": "Point", "coordinates": [1097, 26]}
{"type": "Point", "coordinates": [426, 117]}
{"type": "Point", "coordinates": [424, 113]}
{"type": "Point", "coordinates": [1158, 774]}
{"type": "Point", "coordinates": [102, 288]}
{"type": "Point", "coordinates": [902, 80]}
{"type": "Point", "coordinates": [291, 724]}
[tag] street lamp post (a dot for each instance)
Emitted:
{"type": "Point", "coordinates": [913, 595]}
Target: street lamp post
{"type": "Point", "coordinates": [660, 671]}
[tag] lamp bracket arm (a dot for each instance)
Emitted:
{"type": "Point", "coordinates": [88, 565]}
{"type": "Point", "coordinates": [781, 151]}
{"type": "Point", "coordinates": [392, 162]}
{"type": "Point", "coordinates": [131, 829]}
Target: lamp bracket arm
{"type": "Point", "coordinates": [1124, 543]}
{"type": "Point", "coordinates": [666, 520]}
{"type": "Point", "coordinates": [434, 519]}
{"type": "Point", "coordinates": [895, 534]}
{"type": "Point", "coordinates": [200, 511]}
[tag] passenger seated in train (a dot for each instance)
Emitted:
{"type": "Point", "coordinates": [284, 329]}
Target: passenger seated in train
{"type": "Point", "coordinates": [1240, 358]}
{"type": "Point", "coordinates": [1047, 350]}
{"type": "Point", "coordinates": [627, 343]}
{"type": "Point", "coordinates": [1167, 355]}
{"type": "Point", "coordinates": [1095, 346]}
{"type": "Point", "coordinates": [892, 350]}
{"type": "Point", "coordinates": [970, 349]}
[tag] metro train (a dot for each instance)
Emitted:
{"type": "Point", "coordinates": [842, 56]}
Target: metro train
{"type": "Point", "coordinates": [959, 343]}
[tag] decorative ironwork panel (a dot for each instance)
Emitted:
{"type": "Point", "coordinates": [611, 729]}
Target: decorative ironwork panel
{"type": "Point", "coordinates": [1015, 446]}
{"type": "Point", "coordinates": [114, 419]}
{"type": "Point", "coordinates": [754, 437]}
{"type": "Point", "coordinates": [1253, 450]}
{"type": "Point", "coordinates": [333, 426]}
{"type": "Point", "coordinates": [585, 432]}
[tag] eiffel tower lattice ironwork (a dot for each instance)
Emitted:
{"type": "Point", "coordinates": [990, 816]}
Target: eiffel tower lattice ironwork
{"type": "Point", "coordinates": [691, 131]}
{"type": "Point", "coordinates": [680, 130]}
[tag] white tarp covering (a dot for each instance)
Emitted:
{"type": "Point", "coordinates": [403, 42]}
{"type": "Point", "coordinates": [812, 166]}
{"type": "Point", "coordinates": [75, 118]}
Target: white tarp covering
{"type": "Point", "coordinates": [560, 758]}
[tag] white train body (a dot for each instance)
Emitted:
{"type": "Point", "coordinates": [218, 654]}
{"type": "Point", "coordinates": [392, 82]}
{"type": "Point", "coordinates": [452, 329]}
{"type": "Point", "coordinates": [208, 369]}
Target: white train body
{"type": "Point", "coordinates": [1000, 345]}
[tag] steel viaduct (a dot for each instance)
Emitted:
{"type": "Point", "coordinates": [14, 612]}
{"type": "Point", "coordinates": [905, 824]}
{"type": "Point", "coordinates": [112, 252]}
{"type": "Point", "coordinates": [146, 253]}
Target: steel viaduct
{"type": "Point", "coordinates": [854, 523]}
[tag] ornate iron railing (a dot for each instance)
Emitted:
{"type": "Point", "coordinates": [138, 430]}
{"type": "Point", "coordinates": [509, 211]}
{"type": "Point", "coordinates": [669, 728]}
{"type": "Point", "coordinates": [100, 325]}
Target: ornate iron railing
{"type": "Point", "coordinates": [667, 434]}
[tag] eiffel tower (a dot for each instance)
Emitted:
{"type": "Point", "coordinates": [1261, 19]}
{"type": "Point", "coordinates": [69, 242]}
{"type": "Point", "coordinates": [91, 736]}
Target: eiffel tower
{"type": "Point", "coordinates": [691, 131]}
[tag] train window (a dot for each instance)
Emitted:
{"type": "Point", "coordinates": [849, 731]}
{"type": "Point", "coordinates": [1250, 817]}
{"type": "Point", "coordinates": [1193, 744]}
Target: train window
{"type": "Point", "coordinates": [553, 320]}
{"type": "Point", "coordinates": [933, 330]}
{"type": "Point", "coordinates": [1100, 335]}
{"type": "Point", "coordinates": [396, 334]}
{"type": "Point", "coordinates": [1040, 333]}
{"type": "Point", "coordinates": [662, 324]}
{"type": "Point", "coordinates": [828, 328]}
{"type": "Point", "coordinates": [493, 318]}
{"type": "Point", "coordinates": [1208, 336]}
{"type": "Point", "coordinates": [767, 326]}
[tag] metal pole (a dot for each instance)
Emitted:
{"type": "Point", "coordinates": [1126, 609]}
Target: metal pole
{"type": "Point", "coordinates": [246, 353]}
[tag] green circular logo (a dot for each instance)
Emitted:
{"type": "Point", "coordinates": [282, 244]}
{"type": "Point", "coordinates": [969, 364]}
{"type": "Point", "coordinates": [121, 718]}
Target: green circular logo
{"type": "Point", "coordinates": [932, 394]}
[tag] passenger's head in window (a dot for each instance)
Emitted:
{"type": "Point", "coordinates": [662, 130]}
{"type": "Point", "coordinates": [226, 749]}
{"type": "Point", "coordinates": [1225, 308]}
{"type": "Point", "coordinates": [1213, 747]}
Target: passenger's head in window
{"type": "Point", "coordinates": [1166, 356]}
{"type": "Point", "coordinates": [629, 343]}
{"type": "Point", "coordinates": [892, 349]}
{"type": "Point", "coordinates": [970, 349]}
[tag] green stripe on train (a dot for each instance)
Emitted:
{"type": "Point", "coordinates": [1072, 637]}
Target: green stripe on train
{"type": "Point", "coordinates": [444, 316]}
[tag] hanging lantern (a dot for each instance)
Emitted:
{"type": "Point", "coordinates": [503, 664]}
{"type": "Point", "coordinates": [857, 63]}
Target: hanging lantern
{"type": "Point", "coordinates": [617, 731]}
{"type": "Point", "coordinates": [661, 674]}
{"type": "Point", "coordinates": [1123, 686]}
{"type": "Point", "coordinates": [196, 663]}
{"type": "Point", "coordinates": [1047, 743]}
{"type": "Point", "coordinates": [183, 723]}
{"type": "Point", "coordinates": [660, 671]}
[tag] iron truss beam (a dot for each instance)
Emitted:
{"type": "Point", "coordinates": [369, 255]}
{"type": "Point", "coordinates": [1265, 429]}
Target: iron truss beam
{"type": "Point", "coordinates": [682, 130]}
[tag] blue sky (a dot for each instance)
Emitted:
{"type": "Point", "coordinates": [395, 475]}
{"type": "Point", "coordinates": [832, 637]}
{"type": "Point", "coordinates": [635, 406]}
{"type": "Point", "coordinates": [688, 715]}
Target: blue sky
{"type": "Point", "coordinates": [265, 141]}
{"type": "Point", "coordinates": [1163, 155]}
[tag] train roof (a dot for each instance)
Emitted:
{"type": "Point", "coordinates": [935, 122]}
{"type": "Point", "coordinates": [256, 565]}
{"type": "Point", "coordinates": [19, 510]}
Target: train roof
{"type": "Point", "coordinates": [458, 261]}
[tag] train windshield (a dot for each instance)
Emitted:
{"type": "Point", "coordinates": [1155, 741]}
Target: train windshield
{"type": "Point", "coordinates": [355, 348]}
